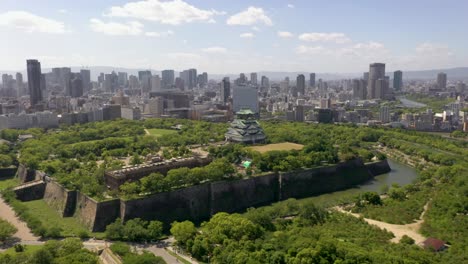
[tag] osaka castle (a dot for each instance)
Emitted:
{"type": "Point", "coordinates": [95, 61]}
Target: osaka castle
{"type": "Point", "coordinates": [245, 128]}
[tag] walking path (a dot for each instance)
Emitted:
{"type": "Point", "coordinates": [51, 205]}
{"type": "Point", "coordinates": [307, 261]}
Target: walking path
{"type": "Point", "coordinates": [411, 230]}
{"type": "Point", "coordinates": [23, 233]}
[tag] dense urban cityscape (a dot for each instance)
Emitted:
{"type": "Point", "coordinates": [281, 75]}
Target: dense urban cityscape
{"type": "Point", "coordinates": [65, 97]}
{"type": "Point", "coordinates": [282, 132]}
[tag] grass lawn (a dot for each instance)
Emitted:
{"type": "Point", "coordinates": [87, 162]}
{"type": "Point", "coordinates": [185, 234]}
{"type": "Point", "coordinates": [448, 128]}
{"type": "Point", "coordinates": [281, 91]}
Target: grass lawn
{"type": "Point", "coordinates": [8, 182]}
{"type": "Point", "coordinates": [277, 146]}
{"type": "Point", "coordinates": [161, 132]}
{"type": "Point", "coordinates": [28, 249]}
{"type": "Point", "coordinates": [50, 218]}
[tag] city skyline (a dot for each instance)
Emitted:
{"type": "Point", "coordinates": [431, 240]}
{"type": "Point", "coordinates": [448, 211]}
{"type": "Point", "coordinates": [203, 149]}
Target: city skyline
{"type": "Point", "coordinates": [221, 37]}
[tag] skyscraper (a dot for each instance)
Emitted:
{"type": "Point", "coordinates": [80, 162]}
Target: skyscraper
{"type": "Point", "coordinates": [225, 89]}
{"type": "Point", "coordinates": [376, 72]}
{"type": "Point", "coordinates": [312, 80]}
{"type": "Point", "coordinates": [122, 78]}
{"type": "Point", "coordinates": [155, 83]}
{"type": "Point", "coordinates": [34, 81]}
{"type": "Point", "coordinates": [384, 115]}
{"type": "Point", "coordinates": [192, 78]}
{"type": "Point", "coordinates": [145, 80]}
{"type": "Point", "coordinates": [265, 84]}
{"type": "Point", "coordinates": [253, 78]}
{"type": "Point", "coordinates": [167, 77]}
{"type": "Point", "coordinates": [19, 84]}
{"type": "Point", "coordinates": [76, 85]}
{"type": "Point", "coordinates": [442, 80]}
{"type": "Point", "coordinates": [245, 97]}
{"type": "Point", "coordinates": [397, 80]}
{"type": "Point", "coordinates": [86, 79]}
{"type": "Point", "coordinates": [300, 84]}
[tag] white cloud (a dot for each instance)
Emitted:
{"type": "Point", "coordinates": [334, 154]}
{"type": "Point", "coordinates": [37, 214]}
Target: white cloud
{"type": "Point", "coordinates": [25, 21]}
{"type": "Point", "coordinates": [215, 50]}
{"type": "Point", "coordinates": [338, 38]}
{"type": "Point", "coordinates": [247, 35]}
{"type": "Point", "coordinates": [291, 6]}
{"type": "Point", "coordinates": [159, 34]}
{"type": "Point", "coordinates": [250, 16]}
{"type": "Point", "coordinates": [174, 12]}
{"type": "Point", "coordinates": [116, 29]}
{"type": "Point", "coordinates": [310, 50]}
{"type": "Point", "coordinates": [433, 49]}
{"type": "Point", "coordinates": [63, 11]}
{"type": "Point", "coordinates": [256, 29]}
{"type": "Point", "coordinates": [284, 34]}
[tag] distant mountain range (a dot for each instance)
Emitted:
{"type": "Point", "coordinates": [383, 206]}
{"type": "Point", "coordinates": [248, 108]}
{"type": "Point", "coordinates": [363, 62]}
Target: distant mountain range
{"type": "Point", "coordinates": [459, 73]}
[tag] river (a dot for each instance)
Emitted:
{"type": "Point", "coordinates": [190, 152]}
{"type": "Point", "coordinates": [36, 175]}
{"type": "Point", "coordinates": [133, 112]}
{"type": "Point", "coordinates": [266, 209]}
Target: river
{"type": "Point", "coordinates": [411, 104]}
{"type": "Point", "coordinates": [400, 174]}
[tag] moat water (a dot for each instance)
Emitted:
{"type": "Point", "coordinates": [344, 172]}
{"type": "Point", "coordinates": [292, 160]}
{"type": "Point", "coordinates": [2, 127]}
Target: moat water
{"type": "Point", "coordinates": [400, 174]}
{"type": "Point", "coordinates": [410, 103]}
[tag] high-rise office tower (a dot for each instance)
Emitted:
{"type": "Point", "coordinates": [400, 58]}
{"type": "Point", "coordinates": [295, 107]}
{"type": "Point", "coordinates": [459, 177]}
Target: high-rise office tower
{"type": "Point", "coordinates": [192, 78]}
{"type": "Point", "coordinates": [253, 78]}
{"type": "Point", "coordinates": [179, 82]}
{"type": "Point", "coordinates": [242, 78]}
{"type": "Point", "coordinates": [111, 82]}
{"type": "Point", "coordinates": [86, 79]}
{"type": "Point", "coordinates": [19, 84]}
{"type": "Point", "coordinates": [384, 115]}
{"type": "Point", "coordinates": [376, 72]}
{"type": "Point", "coordinates": [205, 78]}
{"type": "Point", "coordinates": [442, 80]}
{"type": "Point", "coordinates": [167, 79]}
{"type": "Point", "coordinates": [133, 82]}
{"type": "Point", "coordinates": [34, 81]}
{"type": "Point", "coordinates": [245, 97]}
{"type": "Point", "coordinates": [122, 79]}
{"type": "Point", "coordinates": [312, 80]}
{"type": "Point", "coordinates": [145, 80]}
{"type": "Point", "coordinates": [381, 88]}
{"type": "Point", "coordinates": [76, 85]}
{"type": "Point", "coordinates": [397, 80]}
{"type": "Point", "coordinates": [359, 89]}
{"type": "Point", "coordinates": [300, 84]}
{"type": "Point", "coordinates": [365, 76]}
{"type": "Point", "coordinates": [155, 83]}
{"type": "Point", "coordinates": [265, 84]}
{"type": "Point", "coordinates": [225, 89]}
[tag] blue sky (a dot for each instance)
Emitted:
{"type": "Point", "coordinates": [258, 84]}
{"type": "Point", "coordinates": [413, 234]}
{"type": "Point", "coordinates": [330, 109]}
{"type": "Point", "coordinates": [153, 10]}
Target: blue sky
{"type": "Point", "coordinates": [235, 36]}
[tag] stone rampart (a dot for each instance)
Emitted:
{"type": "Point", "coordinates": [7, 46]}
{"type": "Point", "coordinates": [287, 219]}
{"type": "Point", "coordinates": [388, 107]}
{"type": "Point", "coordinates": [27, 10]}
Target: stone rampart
{"type": "Point", "coordinates": [59, 198]}
{"type": "Point", "coordinates": [188, 203]}
{"type": "Point", "coordinates": [234, 196]}
{"type": "Point", "coordinates": [378, 167]}
{"type": "Point", "coordinates": [7, 172]}
{"type": "Point", "coordinates": [30, 191]}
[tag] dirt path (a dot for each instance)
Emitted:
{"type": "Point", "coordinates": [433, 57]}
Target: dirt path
{"type": "Point", "coordinates": [411, 230]}
{"type": "Point", "coordinates": [7, 213]}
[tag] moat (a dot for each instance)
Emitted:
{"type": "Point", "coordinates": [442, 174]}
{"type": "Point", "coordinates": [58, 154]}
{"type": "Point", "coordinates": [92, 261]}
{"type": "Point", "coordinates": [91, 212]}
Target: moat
{"type": "Point", "coordinates": [401, 174]}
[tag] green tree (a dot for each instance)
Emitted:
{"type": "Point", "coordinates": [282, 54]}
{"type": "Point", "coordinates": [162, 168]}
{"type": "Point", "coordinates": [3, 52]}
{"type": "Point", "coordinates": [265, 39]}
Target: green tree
{"type": "Point", "coordinates": [42, 256]}
{"type": "Point", "coordinates": [135, 229]}
{"type": "Point", "coordinates": [145, 258]}
{"type": "Point", "coordinates": [407, 240]}
{"type": "Point", "coordinates": [136, 159]}
{"type": "Point", "coordinates": [6, 230]}
{"type": "Point", "coordinates": [183, 231]}
{"type": "Point", "coordinates": [155, 229]}
{"type": "Point", "coordinates": [114, 231]}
